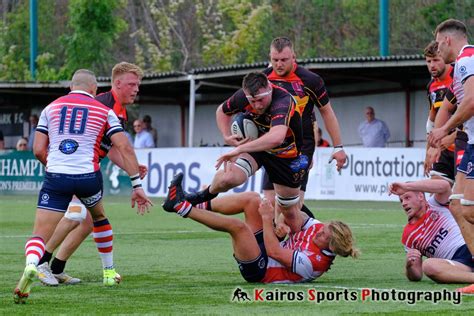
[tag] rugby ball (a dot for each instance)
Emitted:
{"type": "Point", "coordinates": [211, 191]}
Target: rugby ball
{"type": "Point", "coordinates": [243, 126]}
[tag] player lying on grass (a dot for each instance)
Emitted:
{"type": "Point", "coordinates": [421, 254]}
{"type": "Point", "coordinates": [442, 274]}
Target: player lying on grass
{"type": "Point", "coordinates": [432, 232]}
{"type": "Point", "coordinates": [302, 257]}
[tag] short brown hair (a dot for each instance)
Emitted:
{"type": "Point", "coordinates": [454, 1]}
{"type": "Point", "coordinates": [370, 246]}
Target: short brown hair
{"type": "Point", "coordinates": [254, 81]}
{"type": "Point", "coordinates": [451, 25]}
{"type": "Point", "coordinates": [431, 50]}
{"type": "Point", "coordinates": [280, 43]}
{"type": "Point", "coordinates": [124, 68]}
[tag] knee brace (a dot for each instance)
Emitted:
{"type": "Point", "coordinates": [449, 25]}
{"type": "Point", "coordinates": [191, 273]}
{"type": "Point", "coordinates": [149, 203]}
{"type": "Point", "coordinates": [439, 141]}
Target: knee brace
{"type": "Point", "coordinates": [287, 201]}
{"type": "Point", "coordinates": [245, 166]}
{"type": "Point", "coordinates": [76, 212]}
{"type": "Point", "coordinates": [467, 202]}
{"type": "Point", "coordinates": [456, 197]}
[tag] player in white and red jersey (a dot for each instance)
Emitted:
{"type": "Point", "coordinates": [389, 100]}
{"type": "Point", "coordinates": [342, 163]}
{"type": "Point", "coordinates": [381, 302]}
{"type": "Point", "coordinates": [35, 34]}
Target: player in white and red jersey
{"type": "Point", "coordinates": [67, 141]}
{"type": "Point", "coordinates": [309, 261]}
{"type": "Point", "coordinates": [76, 225]}
{"type": "Point", "coordinates": [303, 257]}
{"type": "Point", "coordinates": [451, 36]}
{"type": "Point", "coordinates": [432, 232]}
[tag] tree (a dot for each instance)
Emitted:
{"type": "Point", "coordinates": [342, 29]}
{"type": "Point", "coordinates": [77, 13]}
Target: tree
{"type": "Point", "coordinates": [94, 27]}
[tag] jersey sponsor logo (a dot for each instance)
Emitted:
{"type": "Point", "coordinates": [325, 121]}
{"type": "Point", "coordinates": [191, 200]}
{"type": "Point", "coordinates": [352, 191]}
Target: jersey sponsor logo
{"type": "Point", "coordinates": [442, 233]}
{"type": "Point", "coordinates": [462, 70]}
{"type": "Point", "coordinates": [68, 146]}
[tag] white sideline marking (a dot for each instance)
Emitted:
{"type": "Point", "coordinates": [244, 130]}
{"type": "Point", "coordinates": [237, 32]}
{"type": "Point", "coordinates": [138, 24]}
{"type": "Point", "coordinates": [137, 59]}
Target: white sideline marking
{"type": "Point", "coordinates": [135, 233]}
{"type": "Point", "coordinates": [212, 231]}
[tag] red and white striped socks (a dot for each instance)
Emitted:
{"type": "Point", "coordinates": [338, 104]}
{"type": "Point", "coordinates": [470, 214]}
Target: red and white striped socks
{"type": "Point", "coordinates": [103, 237]}
{"type": "Point", "coordinates": [34, 250]}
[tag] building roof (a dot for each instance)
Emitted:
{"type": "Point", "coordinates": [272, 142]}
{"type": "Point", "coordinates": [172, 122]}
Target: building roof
{"type": "Point", "coordinates": [393, 72]}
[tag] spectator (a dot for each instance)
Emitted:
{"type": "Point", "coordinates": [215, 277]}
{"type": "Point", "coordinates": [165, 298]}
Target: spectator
{"type": "Point", "coordinates": [143, 138]}
{"type": "Point", "coordinates": [22, 144]}
{"type": "Point", "coordinates": [320, 141]}
{"type": "Point", "coordinates": [373, 132]}
{"type": "Point", "coordinates": [151, 129]}
{"type": "Point", "coordinates": [2, 141]}
{"type": "Point", "coordinates": [33, 123]}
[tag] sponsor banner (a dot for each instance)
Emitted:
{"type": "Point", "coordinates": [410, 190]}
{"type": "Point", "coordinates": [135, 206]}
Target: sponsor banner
{"type": "Point", "coordinates": [20, 173]}
{"type": "Point", "coordinates": [366, 175]}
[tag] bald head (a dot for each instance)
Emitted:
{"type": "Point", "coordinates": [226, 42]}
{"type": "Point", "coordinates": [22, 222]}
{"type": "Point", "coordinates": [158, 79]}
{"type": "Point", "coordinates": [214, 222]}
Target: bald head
{"type": "Point", "coordinates": [84, 80]}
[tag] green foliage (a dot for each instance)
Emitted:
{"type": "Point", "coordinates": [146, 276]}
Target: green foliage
{"type": "Point", "coordinates": [178, 35]}
{"type": "Point", "coordinates": [245, 38]}
{"type": "Point", "coordinates": [94, 27]}
{"type": "Point", "coordinates": [12, 68]}
{"type": "Point", "coordinates": [45, 70]}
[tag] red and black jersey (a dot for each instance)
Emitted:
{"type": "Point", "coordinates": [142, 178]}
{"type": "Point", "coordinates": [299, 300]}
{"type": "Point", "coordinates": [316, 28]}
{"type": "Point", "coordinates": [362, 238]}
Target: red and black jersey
{"type": "Point", "coordinates": [309, 91]}
{"type": "Point", "coordinates": [439, 89]}
{"type": "Point", "coordinates": [110, 100]}
{"type": "Point", "coordinates": [282, 111]}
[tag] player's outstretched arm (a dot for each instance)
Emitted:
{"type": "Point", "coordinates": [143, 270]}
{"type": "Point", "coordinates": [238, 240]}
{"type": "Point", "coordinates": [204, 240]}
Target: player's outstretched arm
{"type": "Point", "coordinates": [332, 126]}
{"type": "Point", "coordinates": [272, 245]}
{"type": "Point", "coordinates": [441, 188]}
{"type": "Point", "coordinates": [115, 156]}
{"type": "Point", "coordinates": [130, 165]}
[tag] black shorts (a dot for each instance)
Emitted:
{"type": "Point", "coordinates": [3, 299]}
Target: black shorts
{"type": "Point", "coordinates": [445, 166]}
{"type": "Point", "coordinates": [58, 190]}
{"type": "Point", "coordinates": [464, 256]}
{"type": "Point", "coordinates": [284, 171]}
{"type": "Point", "coordinates": [254, 270]}
{"type": "Point", "coordinates": [267, 185]}
{"type": "Point", "coordinates": [460, 144]}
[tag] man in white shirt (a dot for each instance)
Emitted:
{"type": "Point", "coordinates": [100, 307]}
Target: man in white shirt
{"type": "Point", "coordinates": [143, 138]}
{"type": "Point", "coordinates": [373, 132]}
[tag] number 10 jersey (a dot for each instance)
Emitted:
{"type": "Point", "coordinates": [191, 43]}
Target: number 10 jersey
{"type": "Point", "coordinates": [75, 125]}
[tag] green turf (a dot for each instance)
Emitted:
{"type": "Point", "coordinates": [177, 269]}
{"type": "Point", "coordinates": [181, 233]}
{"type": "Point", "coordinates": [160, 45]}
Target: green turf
{"type": "Point", "coordinates": [172, 265]}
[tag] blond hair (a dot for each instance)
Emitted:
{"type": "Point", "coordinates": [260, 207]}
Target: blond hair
{"type": "Point", "coordinates": [342, 242]}
{"type": "Point", "coordinates": [125, 68]}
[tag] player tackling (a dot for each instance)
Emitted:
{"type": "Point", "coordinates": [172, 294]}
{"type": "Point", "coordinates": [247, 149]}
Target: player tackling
{"type": "Point", "coordinates": [303, 257]}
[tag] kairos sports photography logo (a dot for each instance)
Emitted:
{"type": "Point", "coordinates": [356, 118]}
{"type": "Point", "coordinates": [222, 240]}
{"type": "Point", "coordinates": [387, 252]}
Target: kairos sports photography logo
{"type": "Point", "coordinates": [369, 295]}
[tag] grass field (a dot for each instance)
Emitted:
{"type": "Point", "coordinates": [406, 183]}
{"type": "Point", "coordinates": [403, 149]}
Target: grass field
{"type": "Point", "coordinates": [172, 265]}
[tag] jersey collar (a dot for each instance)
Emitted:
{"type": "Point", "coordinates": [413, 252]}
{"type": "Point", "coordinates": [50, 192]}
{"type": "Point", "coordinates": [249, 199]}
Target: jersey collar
{"type": "Point", "coordinates": [82, 92]}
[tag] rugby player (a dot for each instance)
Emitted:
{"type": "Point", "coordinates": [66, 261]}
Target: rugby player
{"type": "Point", "coordinates": [67, 142]}
{"type": "Point", "coordinates": [432, 232]}
{"type": "Point", "coordinates": [451, 36]}
{"type": "Point", "coordinates": [76, 224]}
{"type": "Point", "coordinates": [303, 257]}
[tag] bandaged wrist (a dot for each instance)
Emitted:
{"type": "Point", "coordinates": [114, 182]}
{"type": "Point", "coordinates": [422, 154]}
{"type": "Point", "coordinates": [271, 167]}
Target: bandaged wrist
{"type": "Point", "coordinates": [429, 126]}
{"type": "Point", "coordinates": [136, 182]}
